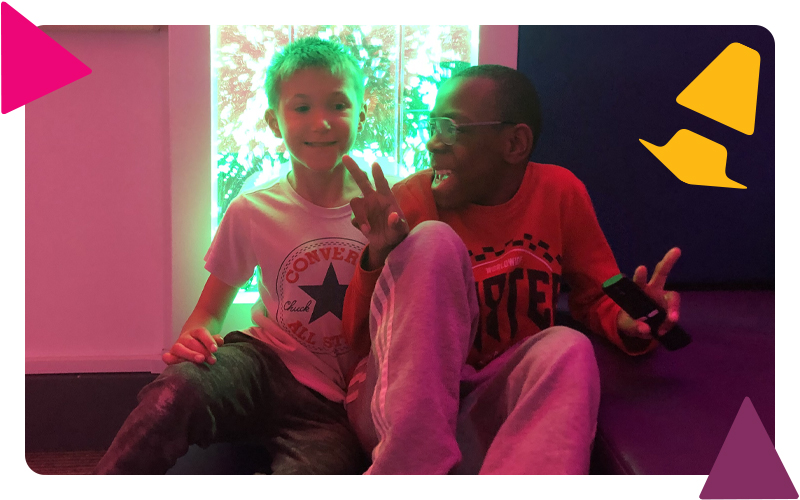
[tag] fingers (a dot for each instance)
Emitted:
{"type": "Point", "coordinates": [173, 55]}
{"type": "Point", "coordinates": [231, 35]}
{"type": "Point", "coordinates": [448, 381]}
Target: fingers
{"type": "Point", "coordinates": [196, 345]}
{"type": "Point", "coordinates": [640, 276]}
{"type": "Point", "coordinates": [673, 300]}
{"type": "Point", "coordinates": [631, 327]}
{"type": "Point", "coordinates": [171, 359]}
{"type": "Point", "coordinates": [187, 354]}
{"type": "Point", "coordinates": [361, 178]}
{"type": "Point", "coordinates": [360, 220]}
{"type": "Point", "coordinates": [205, 338]}
{"type": "Point", "coordinates": [218, 339]}
{"type": "Point", "coordinates": [353, 220]}
{"type": "Point", "coordinates": [381, 184]}
{"type": "Point", "coordinates": [394, 220]}
{"type": "Point", "coordinates": [672, 304]}
{"type": "Point", "coordinates": [663, 268]}
{"type": "Point", "coordinates": [398, 224]}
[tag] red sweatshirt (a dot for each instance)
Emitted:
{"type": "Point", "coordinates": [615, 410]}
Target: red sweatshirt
{"type": "Point", "coordinates": [521, 252]}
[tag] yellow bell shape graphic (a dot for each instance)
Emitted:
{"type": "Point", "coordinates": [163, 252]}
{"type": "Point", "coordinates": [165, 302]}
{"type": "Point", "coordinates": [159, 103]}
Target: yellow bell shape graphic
{"type": "Point", "coordinates": [727, 90]}
{"type": "Point", "coordinates": [694, 159]}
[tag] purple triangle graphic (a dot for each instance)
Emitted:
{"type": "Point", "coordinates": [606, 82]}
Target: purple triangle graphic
{"type": "Point", "coordinates": [748, 465]}
{"type": "Point", "coordinates": [33, 64]}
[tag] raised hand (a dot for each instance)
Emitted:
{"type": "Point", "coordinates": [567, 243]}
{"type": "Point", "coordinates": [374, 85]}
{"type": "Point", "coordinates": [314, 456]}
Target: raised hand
{"type": "Point", "coordinates": [376, 214]}
{"type": "Point", "coordinates": [670, 301]}
{"type": "Point", "coordinates": [196, 345]}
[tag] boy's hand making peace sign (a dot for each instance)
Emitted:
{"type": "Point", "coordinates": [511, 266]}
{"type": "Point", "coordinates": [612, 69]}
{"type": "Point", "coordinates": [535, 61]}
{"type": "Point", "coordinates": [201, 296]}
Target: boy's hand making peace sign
{"type": "Point", "coordinates": [376, 214]}
{"type": "Point", "coordinates": [670, 301]}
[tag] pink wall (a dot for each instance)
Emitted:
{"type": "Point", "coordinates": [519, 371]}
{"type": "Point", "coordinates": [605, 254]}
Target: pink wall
{"type": "Point", "coordinates": [97, 208]}
{"type": "Point", "coordinates": [498, 45]}
{"type": "Point", "coordinates": [114, 247]}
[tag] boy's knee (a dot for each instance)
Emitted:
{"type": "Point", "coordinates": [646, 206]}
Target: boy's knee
{"type": "Point", "coordinates": [434, 242]}
{"type": "Point", "coordinates": [560, 344]}
{"type": "Point", "coordinates": [572, 341]}
{"type": "Point", "coordinates": [176, 385]}
{"type": "Point", "coordinates": [575, 345]}
{"type": "Point", "coordinates": [433, 232]}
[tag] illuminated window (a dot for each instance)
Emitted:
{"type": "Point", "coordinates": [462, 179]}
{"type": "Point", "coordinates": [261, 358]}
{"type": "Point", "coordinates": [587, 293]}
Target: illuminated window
{"type": "Point", "coordinates": [403, 66]}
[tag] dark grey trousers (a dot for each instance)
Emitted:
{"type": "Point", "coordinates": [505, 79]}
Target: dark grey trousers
{"type": "Point", "coordinates": [248, 394]}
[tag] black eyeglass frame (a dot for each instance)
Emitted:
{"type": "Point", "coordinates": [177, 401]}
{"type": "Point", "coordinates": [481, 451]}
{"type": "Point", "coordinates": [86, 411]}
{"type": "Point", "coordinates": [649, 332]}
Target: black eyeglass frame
{"type": "Point", "coordinates": [434, 126]}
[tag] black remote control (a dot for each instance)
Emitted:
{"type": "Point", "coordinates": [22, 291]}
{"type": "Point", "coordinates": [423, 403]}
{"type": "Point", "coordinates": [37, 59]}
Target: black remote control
{"type": "Point", "coordinates": [634, 301]}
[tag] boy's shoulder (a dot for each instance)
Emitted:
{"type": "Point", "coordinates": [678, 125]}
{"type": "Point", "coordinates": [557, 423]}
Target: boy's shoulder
{"type": "Point", "coordinates": [272, 189]}
{"type": "Point", "coordinates": [554, 173]}
{"type": "Point", "coordinates": [416, 186]}
{"type": "Point", "coordinates": [415, 197]}
{"type": "Point", "coordinates": [418, 182]}
{"type": "Point", "coordinates": [268, 198]}
{"type": "Point", "coordinates": [391, 179]}
{"type": "Point", "coordinates": [553, 179]}
{"type": "Point", "coordinates": [421, 181]}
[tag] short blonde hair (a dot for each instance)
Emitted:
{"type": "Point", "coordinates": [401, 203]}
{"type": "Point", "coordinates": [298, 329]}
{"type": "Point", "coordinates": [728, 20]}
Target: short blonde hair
{"type": "Point", "coordinates": [313, 53]}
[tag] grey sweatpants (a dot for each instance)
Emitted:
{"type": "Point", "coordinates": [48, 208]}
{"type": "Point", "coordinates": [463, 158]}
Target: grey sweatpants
{"type": "Point", "coordinates": [247, 395]}
{"type": "Point", "coordinates": [420, 409]}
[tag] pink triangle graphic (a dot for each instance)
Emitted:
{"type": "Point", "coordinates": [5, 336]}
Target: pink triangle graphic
{"type": "Point", "coordinates": [748, 465]}
{"type": "Point", "coordinates": [33, 64]}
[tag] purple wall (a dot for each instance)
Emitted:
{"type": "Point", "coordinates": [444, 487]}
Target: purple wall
{"type": "Point", "coordinates": [605, 87]}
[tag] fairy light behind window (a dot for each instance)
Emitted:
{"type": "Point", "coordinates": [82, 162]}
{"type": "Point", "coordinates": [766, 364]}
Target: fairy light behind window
{"type": "Point", "coordinates": [403, 67]}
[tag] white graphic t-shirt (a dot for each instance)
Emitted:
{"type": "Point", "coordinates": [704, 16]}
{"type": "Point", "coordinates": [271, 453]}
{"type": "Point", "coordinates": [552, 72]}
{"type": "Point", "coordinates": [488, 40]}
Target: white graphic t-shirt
{"type": "Point", "coordinates": [306, 256]}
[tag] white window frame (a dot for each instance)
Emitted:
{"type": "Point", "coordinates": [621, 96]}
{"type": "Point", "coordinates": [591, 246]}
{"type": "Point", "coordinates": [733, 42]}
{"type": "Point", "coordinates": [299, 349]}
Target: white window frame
{"type": "Point", "coordinates": [190, 154]}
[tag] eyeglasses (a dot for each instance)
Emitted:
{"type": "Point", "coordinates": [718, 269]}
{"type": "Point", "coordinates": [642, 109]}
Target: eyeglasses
{"type": "Point", "coordinates": [448, 129]}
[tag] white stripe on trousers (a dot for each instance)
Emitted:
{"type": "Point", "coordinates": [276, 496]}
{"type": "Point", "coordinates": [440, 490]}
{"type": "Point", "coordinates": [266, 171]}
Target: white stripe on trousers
{"type": "Point", "coordinates": [383, 332]}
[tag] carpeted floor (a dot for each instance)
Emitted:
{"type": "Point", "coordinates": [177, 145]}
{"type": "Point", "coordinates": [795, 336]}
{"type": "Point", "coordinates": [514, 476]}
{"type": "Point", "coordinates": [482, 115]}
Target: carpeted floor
{"type": "Point", "coordinates": [63, 463]}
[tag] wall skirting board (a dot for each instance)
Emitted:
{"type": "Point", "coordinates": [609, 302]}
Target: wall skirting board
{"type": "Point", "coordinates": [78, 411]}
{"type": "Point", "coordinates": [94, 364]}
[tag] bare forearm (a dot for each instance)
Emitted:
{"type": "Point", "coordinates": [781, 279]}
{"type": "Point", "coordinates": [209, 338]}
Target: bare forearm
{"type": "Point", "coordinates": [200, 318]}
{"type": "Point", "coordinates": [199, 336]}
{"type": "Point", "coordinates": [212, 307]}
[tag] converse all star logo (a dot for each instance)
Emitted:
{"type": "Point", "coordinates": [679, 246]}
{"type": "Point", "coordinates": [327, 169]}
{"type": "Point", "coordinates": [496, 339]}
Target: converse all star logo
{"type": "Point", "coordinates": [311, 285]}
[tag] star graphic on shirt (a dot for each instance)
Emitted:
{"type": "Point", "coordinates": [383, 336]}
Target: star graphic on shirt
{"type": "Point", "coordinates": [328, 297]}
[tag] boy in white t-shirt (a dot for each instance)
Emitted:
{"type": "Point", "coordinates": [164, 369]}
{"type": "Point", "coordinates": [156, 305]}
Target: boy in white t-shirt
{"type": "Point", "coordinates": [282, 382]}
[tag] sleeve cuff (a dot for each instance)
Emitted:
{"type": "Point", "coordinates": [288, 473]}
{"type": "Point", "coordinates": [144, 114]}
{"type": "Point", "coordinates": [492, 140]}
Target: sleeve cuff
{"type": "Point", "coordinates": [364, 281]}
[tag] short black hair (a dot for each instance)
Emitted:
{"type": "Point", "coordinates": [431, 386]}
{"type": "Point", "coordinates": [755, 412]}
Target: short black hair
{"type": "Point", "coordinates": [313, 52]}
{"type": "Point", "coordinates": [515, 96]}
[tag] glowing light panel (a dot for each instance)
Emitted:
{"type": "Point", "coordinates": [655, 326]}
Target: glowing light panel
{"type": "Point", "coordinates": [403, 67]}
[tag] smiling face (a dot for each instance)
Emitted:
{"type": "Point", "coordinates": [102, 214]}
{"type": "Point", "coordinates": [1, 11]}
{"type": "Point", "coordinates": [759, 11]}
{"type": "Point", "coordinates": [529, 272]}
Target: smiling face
{"type": "Point", "coordinates": [472, 169]}
{"type": "Point", "coordinates": [318, 117]}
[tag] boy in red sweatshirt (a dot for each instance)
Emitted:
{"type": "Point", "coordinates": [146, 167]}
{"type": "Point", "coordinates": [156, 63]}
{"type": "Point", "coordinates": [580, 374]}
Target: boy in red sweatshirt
{"type": "Point", "coordinates": [454, 299]}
